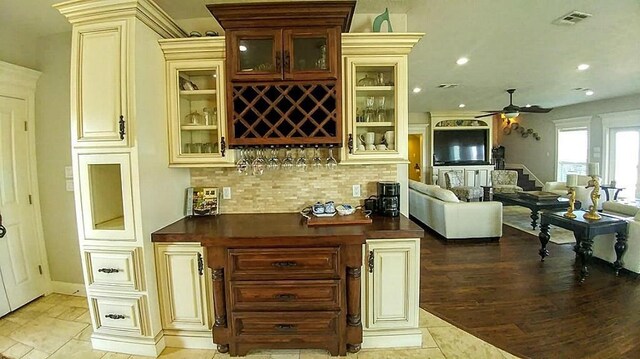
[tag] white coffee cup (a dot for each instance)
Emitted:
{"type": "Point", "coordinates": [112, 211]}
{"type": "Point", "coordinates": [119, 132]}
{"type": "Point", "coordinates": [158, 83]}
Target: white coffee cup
{"type": "Point", "coordinates": [381, 147]}
{"type": "Point", "coordinates": [391, 146]}
{"type": "Point", "coordinates": [361, 147]}
{"type": "Point", "coordinates": [390, 137]}
{"type": "Point", "coordinates": [370, 138]}
{"type": "Point", "coordinates": [371, 147]}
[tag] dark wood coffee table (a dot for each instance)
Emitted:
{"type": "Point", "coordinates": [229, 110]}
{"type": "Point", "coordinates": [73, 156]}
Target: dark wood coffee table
{"type": "Point", "coordinates": [535, 205]}
{"type": "Point", "coordinates": [584, 230]}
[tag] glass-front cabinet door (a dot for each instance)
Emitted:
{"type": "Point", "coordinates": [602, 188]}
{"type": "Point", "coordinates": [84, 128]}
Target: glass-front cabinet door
{"type": "Point", "coordinates": [196, 114]}
{"type": "Point", "coordinates": [255, 55]}
{"type": "Point", "coordinates": [310, 53]}
{"type": "Point", "coordinates": [376, 110]}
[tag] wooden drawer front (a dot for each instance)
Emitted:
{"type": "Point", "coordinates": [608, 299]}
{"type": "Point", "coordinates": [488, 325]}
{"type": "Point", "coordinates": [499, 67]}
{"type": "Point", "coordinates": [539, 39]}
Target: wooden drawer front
{"type": "Point", "coordinates": [119, 315]}
{"type": "Point", "coordinates": [284, 263]}
{"type": "Point", "coordinates": [286, 295]}
{"type": "Point", "coordinates": [289, 324]}
{"type": "Point", "coordinates": [113, 268]}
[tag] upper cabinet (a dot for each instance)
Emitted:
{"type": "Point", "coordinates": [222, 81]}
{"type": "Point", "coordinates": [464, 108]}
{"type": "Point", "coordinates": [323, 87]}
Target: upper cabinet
{"type": "Point", "coordinates": [376, 97]}
{"type": "Point", "coordinates": [284, 73]}
{"type": "Point", "coordinates": [292, 54]}
{"type": "Point", "coordinates": [99, 106]}
{"type": "Point", "coordinates": [196, 105]}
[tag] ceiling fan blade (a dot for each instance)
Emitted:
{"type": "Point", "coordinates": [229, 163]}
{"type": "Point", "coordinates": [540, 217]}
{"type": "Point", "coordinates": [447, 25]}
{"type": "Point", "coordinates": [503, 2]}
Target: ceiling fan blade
{"type": "Point", "coordinates": [535, 109]}
{"type": "Point", "coordinates": [494, 111]}
{"type": "Point", "coordinates": [489, 114]}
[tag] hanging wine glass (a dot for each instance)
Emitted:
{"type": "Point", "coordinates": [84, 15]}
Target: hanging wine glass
{"type": "Point", "coordinates": [331, 161]}
{"type": "Point", "coordinates": [242, 164]}
{"type": "Point", "coordinates": [317, 161]}
{"type": "Point", "coordinates": [258, 163]}
{"type": "Point", "coordinates": [273, 163]}
{"type": "Point", "coordinates": [301, 162]}
{"type": "Point", "coordinates": [287, 162]}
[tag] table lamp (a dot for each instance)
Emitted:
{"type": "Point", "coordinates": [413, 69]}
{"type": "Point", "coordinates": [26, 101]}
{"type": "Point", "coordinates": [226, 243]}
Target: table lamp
{"type": "Point", "coordinates": [572, 183]}
{"type": "Point", "coordinates": [593, 170]}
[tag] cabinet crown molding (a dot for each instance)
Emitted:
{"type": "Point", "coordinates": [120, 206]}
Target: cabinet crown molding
{"type": "Point", "coordinates": [375, 43]}
{"type": "Point", "coordinates": [15, 75]}
{"type": "Point", "coordinates": [88, 11]}
{"type": "Point", "coordinates": [193, 48]}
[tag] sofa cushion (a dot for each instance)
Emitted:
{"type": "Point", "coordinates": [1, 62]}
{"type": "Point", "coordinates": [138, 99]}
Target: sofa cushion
{"type": "Point", "coordinates": [620, 208]}
{"type": "Point", "coordinates": [421, 187]}
{"type": "Point", "coordinates": [442, 194]}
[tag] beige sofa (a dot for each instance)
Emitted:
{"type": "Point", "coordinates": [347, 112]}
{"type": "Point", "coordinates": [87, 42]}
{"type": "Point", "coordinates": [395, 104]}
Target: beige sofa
{"type": "Point", "coordinates": [603, 245]}
{"type": "Point", "coordinates": [442, 211]}
{"type": "Point", "coordinates": [582, 194]}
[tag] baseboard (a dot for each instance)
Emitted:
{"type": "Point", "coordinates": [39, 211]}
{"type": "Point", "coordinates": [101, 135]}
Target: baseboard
{"type": "Point", "coordinates": [68, 288]}
{"type": "Point", "coordinates": [138, 346]}
{"type": "Point", "coordinates": [189, 342]}
{"type": "Point", "coordinates": [392, 339]}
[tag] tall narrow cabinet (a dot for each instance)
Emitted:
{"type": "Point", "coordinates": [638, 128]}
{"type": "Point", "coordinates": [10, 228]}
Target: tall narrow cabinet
{"type": "Point", "coordinates": [123, 188]}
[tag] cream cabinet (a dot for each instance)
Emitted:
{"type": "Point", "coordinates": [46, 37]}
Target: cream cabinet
{"type": "Point", "coordinates": [185, 294]}
{"type": "Point", "coordinates": [123, 188]}
{"type": "Point", "coordinates": [196, 102]}
{"type": "Point", "coordinates": [391, 293]}
{"type": "Point", "coordinates": [376, 100]}
{"type": "Point", "coordinates": [99, 97]}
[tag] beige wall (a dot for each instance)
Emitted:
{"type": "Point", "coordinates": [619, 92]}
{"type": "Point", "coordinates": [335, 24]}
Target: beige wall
{"type": "Point", "coordinates": [539, 156]}
{"type": "Point", "coordinates": [53, 150]}
{"type": "Point", "coordinates": [18, 48]}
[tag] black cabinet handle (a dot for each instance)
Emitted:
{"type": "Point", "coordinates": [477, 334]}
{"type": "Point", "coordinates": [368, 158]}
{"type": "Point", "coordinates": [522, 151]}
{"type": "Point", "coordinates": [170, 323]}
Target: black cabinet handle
{"type": "Point", "coordinates": [121, 122]}
{"type": "Point", "coordinates": [200, 264]}
{"type": "Point", "coordinates": [278, 61]}
{"type": "Point", "coordinates": [370, 261]}
{"type": "Point", "coordinates": [223, 146]}
{"type": "Point", "coordinates": [285, 327]}
{"type": "Point", "coordinates": [287, 60]}
{"type": "Point", "coordinates": [108, 270]}
{"type": "Point", "coordinates": [285, 296]}
{"type": "Point", "coordinates": [284, 264]}
{"type": "Point", "coordinates": [115, 316]}
{"type": "Point", "coordinates": [350, 143]}
{"type": "Point", "coordinates": [3, 230]}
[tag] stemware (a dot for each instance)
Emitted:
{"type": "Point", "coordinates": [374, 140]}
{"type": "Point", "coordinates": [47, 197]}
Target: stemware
{"type": "Point", "coordinates": [287, 162]}
{"type": "Point", "coordinates": [331, 161]}
{"type": "Point", "coordinates": [317, 161]}
{"type": "Point", "coordinates": [273, 163]}
{"type": "Point", "coordinates": [258, 163]}
{"type": "Point", "coordinates": [242, 164]}
{"type": "Point", "coordinates": [301, 162]}
{"type": "Point", "coordinates": [381, 112]}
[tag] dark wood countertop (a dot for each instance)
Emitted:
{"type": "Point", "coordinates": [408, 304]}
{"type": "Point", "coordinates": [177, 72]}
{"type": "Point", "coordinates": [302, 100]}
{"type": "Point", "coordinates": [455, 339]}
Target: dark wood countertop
{"type": "Point", "coordinates": [240, 229]}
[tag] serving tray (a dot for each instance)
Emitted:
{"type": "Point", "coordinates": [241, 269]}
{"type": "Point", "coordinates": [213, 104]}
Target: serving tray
{"type": "Point", "coordinates": [357, 218]}
{"type": "Point", "coordinates": [539, 195]}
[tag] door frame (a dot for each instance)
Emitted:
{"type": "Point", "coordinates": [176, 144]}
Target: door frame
{"type": "Point", "coordinates": [20, 82]}
{"type": "Point", "coordinates": [421, 129]}
{"type": "Point", "coordinates": [610, 122]}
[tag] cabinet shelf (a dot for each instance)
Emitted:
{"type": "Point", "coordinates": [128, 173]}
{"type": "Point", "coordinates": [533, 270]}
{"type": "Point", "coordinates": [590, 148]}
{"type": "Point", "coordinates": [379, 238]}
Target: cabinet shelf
{"type": "Point", "coordinates": [112, 224]}
{"type": "Point", "coordinates": [374, 124]}
{"type": "Point", "coordinates": [388, 89]}
{"type": "Point", "coordinates": [197, 92]}
{"type": "Point", "coordinates": [198, 127]}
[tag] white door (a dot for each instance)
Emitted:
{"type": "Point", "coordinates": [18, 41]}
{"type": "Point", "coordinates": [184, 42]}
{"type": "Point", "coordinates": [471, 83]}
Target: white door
{"type": "Point", "coordinates": [19, 255]}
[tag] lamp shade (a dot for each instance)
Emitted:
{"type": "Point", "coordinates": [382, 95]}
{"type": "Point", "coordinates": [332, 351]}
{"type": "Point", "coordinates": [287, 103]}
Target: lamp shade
{"type": "Point", "coordinates": [511, 114]}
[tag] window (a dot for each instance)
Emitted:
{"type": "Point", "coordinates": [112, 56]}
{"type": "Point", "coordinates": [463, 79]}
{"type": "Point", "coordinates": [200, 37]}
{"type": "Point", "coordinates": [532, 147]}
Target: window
{"type": "Point", "coordinates": [572, 146]}
{"type": "Point", "coordinates": [621, 139]}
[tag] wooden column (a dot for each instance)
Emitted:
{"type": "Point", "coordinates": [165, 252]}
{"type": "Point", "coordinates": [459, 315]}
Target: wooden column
{"type": "Point", "coordinates": [353, 263]}
{"type": "Point", "coordinates": [220, 325]}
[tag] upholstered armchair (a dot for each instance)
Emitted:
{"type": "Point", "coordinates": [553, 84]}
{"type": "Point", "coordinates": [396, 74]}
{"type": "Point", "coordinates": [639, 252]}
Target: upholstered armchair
{"type": "Point", "coordinates": [455, 183]}
{"type": "Point", "coordinates": [583, 194]}
{"type": "Point", "coordinates": [505, 181]}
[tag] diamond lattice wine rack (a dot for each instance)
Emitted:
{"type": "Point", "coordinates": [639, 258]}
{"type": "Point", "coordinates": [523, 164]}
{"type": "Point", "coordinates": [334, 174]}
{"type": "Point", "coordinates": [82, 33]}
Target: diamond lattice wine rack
{"type": "Point", "coordinates": [285, 114]}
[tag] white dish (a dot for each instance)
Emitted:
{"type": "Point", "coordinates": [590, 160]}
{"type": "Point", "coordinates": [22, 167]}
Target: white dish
{"type": "Point", "coordinates": [324, 214]}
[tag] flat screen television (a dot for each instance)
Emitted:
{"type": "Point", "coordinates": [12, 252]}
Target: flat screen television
{"type": "Point", "coordinates": [461, 147]}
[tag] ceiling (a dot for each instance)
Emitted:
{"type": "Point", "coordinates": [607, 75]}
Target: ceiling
{"type": "Point", "coordinates": [509, 43]}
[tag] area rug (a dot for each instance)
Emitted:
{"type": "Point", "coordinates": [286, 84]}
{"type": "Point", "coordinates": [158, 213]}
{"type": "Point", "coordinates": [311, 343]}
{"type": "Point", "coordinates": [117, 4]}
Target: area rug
{"type": "Point", "coordinates": [519, 217]}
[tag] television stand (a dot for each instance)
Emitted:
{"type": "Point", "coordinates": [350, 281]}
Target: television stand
{"type": "Point", "coordinates": [474, 175]}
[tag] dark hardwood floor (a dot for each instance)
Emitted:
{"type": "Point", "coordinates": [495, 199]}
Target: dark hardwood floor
{"type": "Point", "coordinates": [502, 293]}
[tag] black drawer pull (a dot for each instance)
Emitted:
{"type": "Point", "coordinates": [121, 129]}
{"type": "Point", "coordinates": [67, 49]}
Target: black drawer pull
{"type": "Point", "coordinates": [284, 264]}
{"type": "Point", "coordinates": [108, 270]}
{"type": "Point", "coordinates": [115, 316]}
{"type": "Point", "coordinates": [285, 327]}
{"type": "Point", "coordinates": [285, 296]}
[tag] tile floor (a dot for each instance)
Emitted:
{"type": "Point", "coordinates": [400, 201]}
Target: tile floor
{"type": "Point", "coordinates": [58, 327]}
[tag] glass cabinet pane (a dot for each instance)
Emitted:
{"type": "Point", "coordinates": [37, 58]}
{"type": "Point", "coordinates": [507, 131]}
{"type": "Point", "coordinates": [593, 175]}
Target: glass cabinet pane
{"type": "Point", "coordinates": [256, 55]}
{"type": "Point", "coordinates": [310, 53]}
{"type": "Point", "coordinates": [105, 185]}
{"type": "Point", "coordinates": [198, 111]}
{"type": "Point", "coordinates": [375, 105]}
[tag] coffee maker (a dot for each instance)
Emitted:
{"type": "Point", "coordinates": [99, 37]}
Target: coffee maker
{"type": "Point", "coordinates": [389, 199]}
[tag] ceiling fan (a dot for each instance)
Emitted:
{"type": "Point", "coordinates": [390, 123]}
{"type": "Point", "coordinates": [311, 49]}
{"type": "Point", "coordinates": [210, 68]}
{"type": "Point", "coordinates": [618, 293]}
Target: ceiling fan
{"type": "Point", "coordinates": [512, 110]}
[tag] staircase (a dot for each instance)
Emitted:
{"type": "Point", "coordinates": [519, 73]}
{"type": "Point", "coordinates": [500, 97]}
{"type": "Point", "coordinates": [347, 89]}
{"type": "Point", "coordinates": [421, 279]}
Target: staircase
{"type": "Point", "coordinates": [524, 181]}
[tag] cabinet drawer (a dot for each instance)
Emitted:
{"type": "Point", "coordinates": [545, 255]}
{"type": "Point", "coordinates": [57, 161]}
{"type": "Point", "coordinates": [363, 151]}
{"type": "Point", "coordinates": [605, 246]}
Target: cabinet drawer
{"type": "Point", "coordinates": [284, 263]}
{"type": "Point", "coordinates": [270, 326]}
{"type": "Point", "coordinates": [119, 315]}
{"type": "Point", "coordinates": [113, 268]}
{"type": "Point", "coordinates": [286, 295]}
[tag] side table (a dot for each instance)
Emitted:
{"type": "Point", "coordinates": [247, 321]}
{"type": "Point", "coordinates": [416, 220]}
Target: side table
{"type": "Point", "coordinates": [606, 189]}
{"type": "Point", "coordinates": [584, 231]}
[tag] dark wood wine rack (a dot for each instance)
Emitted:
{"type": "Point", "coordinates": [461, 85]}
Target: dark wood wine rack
{"type": "Point", "coordinates": [289, 113]}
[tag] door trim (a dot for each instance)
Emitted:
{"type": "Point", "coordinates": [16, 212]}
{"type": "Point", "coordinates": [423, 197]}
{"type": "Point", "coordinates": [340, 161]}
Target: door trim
{"type": "Point", "coordinates": [20, 82]}
{"type": "Point", "coordinates": [421, 129]}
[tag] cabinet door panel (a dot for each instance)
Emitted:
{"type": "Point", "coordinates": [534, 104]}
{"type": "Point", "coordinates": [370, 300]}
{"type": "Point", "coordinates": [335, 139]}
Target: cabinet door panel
{"type": "Point", "coordinates": [391, 290]}
{"type": "Point", "coordinates": [311, 54]}
{"type": "Point", "coordinates": [100, 91]}
{"type": "Point", "coordinates": [182, 285]}
{"type": "Point", "coordinates": [254, 56]}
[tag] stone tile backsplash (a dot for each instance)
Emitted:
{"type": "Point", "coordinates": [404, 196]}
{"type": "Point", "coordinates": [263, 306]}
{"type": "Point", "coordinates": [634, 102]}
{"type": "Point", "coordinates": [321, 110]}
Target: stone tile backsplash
{"type": "Point", "coordinates": [290, 191]}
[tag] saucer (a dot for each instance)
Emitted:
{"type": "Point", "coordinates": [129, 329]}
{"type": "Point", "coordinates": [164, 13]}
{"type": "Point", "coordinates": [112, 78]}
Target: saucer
{"type": "Point", "coordinates": [324, 214]}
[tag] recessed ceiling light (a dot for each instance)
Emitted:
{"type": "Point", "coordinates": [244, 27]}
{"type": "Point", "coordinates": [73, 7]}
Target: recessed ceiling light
{"type": "Point", "coordinates": [243, 48]}
{"type": "Point", "coordinates": [528, 105]}
{"type": "Point", "coordinates": [461, 105]}
{"type": "Point", "coordinates": [589, 92]}
{"type": "Point", "coordinates": [583, 67]}
{"type": "Point", "coordinates": [462, 61]}
{"type": "Point", "coordinates": [416, 89]}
